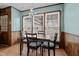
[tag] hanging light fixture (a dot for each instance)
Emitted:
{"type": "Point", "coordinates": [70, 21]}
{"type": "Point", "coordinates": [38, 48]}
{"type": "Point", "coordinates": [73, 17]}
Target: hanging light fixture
{"type": "Point", "coordinates": [31, 15]}
{"type": "Point", "coordinates": [31, 12]}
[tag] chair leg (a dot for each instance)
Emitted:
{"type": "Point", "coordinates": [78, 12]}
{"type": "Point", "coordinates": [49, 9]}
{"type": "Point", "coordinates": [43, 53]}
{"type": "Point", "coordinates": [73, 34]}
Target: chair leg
{"type": "Point", "coordinates": [27, 51]}
{"type": "Point", "coordinates": [36, 52]}
{"type": "Point", "coordinates": [21, 48]}
{"type": "Point", "coordinates": [40, 50]}
{"type": "Point", "coordinates": [48, 52]}
{"type": "Point", "coordinates": [54, 51]}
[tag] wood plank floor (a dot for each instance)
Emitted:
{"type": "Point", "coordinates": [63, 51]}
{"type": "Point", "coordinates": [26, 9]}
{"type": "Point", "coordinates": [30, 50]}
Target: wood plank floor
{"type": "Point", "coordinates": [14, 51]}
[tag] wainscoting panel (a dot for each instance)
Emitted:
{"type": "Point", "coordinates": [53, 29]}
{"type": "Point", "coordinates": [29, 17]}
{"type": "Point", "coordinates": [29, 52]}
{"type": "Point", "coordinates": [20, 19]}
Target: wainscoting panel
{"type": "Point", "coordinates": [71, 44]}
{"type": "Point", "coordinates": [62, 40]}
{"type": "Point", "coordinates": [15, 36]}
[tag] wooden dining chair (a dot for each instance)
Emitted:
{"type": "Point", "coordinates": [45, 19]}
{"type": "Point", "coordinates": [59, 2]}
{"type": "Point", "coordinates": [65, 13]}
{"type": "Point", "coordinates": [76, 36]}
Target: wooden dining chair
{"type": "Point", "coordinates": [49, 45]}
{"type": "Point", "coordinates": [31, 43]}
{"type": "Point", "coordinates": [23, 40]}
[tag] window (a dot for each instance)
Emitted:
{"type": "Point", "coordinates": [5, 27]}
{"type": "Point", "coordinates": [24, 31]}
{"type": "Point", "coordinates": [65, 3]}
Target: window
{"type": "Point", "coordinates": [27, 24]}
{"type": "Point", "coordinates": [38, 23]}
{"type": "Point", "coordinates": [52, 24]}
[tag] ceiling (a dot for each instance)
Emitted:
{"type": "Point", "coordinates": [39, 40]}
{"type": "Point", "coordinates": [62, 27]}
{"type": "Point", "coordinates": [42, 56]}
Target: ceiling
{"type": "Point", "coordinates": [24, 6]}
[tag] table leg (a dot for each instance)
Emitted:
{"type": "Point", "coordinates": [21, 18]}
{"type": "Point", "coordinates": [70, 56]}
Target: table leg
{"type": "Point", "coordinates": [48, 50]}
{"type": "Point", "coordinates": [42, 51]}
{"type": "Point", "coordinates": [21, 47]}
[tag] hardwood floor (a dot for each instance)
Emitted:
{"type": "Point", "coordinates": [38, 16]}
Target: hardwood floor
{"type": "Point", "coordinates": [14, 51]}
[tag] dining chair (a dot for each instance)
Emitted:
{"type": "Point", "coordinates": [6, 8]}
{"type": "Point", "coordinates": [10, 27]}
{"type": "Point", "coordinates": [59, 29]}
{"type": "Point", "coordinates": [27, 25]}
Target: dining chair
{"type": "Point", "coordinates": [31, 43]}
{"type": "Point", "coordinates": [23, 40]}
{"type": "Point", "coordinates": [49, 45]}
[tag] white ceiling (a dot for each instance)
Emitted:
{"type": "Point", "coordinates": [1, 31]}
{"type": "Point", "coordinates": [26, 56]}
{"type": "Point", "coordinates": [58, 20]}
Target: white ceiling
{"type": "Point", "coordinates": [24, 6]}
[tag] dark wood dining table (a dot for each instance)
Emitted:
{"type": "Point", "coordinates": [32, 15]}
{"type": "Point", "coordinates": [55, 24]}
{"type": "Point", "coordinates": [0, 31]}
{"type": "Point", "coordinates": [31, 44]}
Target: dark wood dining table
{"type": "Point", "coordinates": [35, 39]}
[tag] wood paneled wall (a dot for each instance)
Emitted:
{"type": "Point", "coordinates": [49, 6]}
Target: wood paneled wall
{"type": "Point", "coordinates": [72, 44]}
{"type": "Point", "coordinates": [62, 40]}
{"type": "Point", "coordinates": [14, 37]}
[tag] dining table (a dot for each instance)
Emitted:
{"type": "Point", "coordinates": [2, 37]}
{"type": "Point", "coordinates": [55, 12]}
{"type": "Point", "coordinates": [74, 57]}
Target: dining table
{"type": "Point", "coordinates": [40, 39]}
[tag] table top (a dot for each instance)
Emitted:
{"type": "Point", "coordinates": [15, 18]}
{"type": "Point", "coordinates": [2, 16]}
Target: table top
{"type": "Point", "coordinates": [39, 39]}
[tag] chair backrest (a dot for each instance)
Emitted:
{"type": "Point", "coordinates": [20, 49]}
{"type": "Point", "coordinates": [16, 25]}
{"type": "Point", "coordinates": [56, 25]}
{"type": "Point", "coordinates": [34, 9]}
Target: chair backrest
{"type": "Point", "coordinates": [30, 35]}
{"type": "Point", "coordinates": [55, 38]}
{"type": "Point", "coordinates": [23, 33]}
